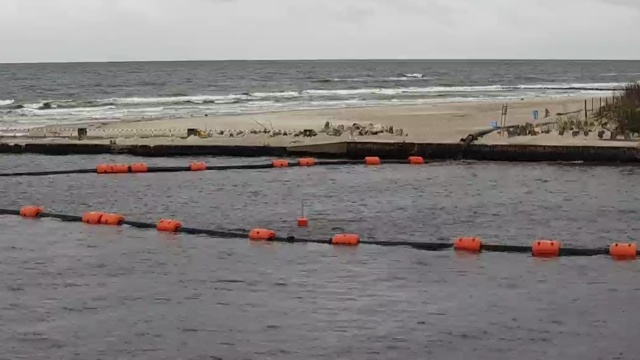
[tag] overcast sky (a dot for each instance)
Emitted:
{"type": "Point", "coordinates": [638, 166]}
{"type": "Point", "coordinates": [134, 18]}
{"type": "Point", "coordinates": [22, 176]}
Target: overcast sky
{"type": "Point", "coordinates": [121, 30]}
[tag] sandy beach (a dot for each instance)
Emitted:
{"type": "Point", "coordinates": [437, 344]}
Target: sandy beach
{"type": "Point", "coordinates": [445, 122]}
{"type": "Point", "coordinates": [437, 123]}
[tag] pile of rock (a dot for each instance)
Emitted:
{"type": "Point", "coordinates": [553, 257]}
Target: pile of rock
{"type": "Point", "coordinates": [360, 130]}
{"type": "Point", "coordinates": [329, 129]}
{"type": "Point", "coordinates": [529, 129]}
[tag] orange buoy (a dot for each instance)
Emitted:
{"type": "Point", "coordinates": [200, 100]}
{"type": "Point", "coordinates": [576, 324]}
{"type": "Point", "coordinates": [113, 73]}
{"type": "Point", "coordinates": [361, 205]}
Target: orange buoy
{"type": "Point", "coordinates": [198, 166]}
{"type": "Point", "coordinates": [303, 222]}
{"type": "Point", "coordinates": [372, 160]}
{"type": "Point", "coordinates": [119, 168]}
{"type": "Point", "coordinates": [470, 244]}
{"type": "Point", "coordinates": [416, 160]}
{"type": "Point", "coordinates": [139, 168]}
{"type": "Point", "coordinates": [280, 163]}
{"type": "Point", "coordinates": [31, 211]}
{"type": "Point", "coordinates": [545, 248]}
{"type": "Point", "coordinates": [261, 234]}
{"type": "Point", "coordinates": [168, 225]}
{"type": "Point", "coordinates": [103, 169]}
{"type": "Point", "coordinates": [346, 239]}
{"type": "Point", "coordinates": [92, 217]}
{"type": "Point", "coordinates": [112, 168]}
{"type": "Point", "coordinates": [306, 162]}
{"type": "Point", "coordinates": [111, 219]}
{"type": "Point", "coordinates": [620, 251]}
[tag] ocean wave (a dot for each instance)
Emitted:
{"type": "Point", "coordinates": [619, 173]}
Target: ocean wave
{"type": "Point", "coordinates": [199, 99]}
{"type": "Point", "coordinates": [377, 79]}
{"type": "Point", "coordinates": [27, 111]}
{"type": "Point", "coordinates": [283, 94]}
{"type": "Point", "coordinates": [463, 89]}
{"type": "Point", "coordinates": [198, 103]}
{"type": "Point", "coordinates": [35, 117]}
{"type": "Point", "coordinates": [621, 74]}
{"type": "Point", "coordinates": [6, 102]}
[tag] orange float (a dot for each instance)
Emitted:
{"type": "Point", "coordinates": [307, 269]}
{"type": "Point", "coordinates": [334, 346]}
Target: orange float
{"type": "Point", "coordinates": [306, 162]}
{"type": "Point", "coordinates": [139, 168]}
{"type": "Point", "coordinates": [303, 222]}
{"type": "Point", "coordinates": [346, 239]}
{"type": "Point", "coordinates": [92, 217]}
{"type": "Point", "coordinates": [31, 211]}
{"type": "Point", "coordinates": [168, 225]}
{"type": "Point", "coordinates": [416, 160]}
{"type": "Point", "coordinates": [112, 169]}
{"type": "Point", "coordinates": [372, 160]}
{"type": "Point", "coordinates": [103, 169]}
{"type": "Point", "coordinates": [198, 166]}
{"type": "Point", "coordinates": [112, 219]}
{"type": "Point", "coordinates": [545, 248]}
{"type": "Point", "coordinates": [620, 251]}
{"type": "Point", "coordinates": [280, 163]}
{"type": "Point", "coordinates": [470, 244]}
{"type": "Point", "coordinates": [261, 234]}
{"type": "Point", "coordinates": [119, 168]}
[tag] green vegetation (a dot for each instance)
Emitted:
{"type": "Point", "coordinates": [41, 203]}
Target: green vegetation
{"type": "Point", "coordinates": [622, 115]}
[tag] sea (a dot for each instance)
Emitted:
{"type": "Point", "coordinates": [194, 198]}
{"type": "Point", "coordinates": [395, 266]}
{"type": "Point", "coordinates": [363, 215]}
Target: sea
{"type": "Point", "coordinates": [33, 95]}
{"type": "Point", "coordinates": [76, 291]}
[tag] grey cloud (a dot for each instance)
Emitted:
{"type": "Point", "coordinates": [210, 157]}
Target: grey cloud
{"type": "Point", "coordinates": [626, 3]}
{"type": "Point", "coordinates": [346, 11]}
{"type": "Point", "coordinates": [97, 30]}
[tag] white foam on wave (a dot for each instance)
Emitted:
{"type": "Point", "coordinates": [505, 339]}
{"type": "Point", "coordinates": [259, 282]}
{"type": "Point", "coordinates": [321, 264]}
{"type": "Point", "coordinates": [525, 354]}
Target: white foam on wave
{"type": "Point", "coordinates": [172, 99]}
{"type": "Point", "coordinates": [52, 103]}
{"type": "Point", "coordinates": [6, 102]}
{"type": "Point", "coordinates": [184, 106]}
{"type": "Point", "coordinates": [29, 111]}
{"type": "Point", "coordinates": [199, 99]}
{"type": "Point", "coordinates": [283, 94]}
{"type": "Point", "coordinates": [349, 92]}
{"type": "Point", "coordinates": [461, 89]}
{"type": "Point", "coordinates": [373, 79]}
{"type": "Point", "coordinates": [621, 74]}
{"type": "Point", "coordinates": [34, 106]}
{"type": "Point", "coordinates": [611, 86]}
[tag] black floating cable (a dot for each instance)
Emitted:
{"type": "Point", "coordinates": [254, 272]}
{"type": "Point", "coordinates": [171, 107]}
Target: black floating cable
{"type": "Point", "coordinates": [506, 248]}
{"type": "Point", "coordinates": [239, 234]}
{"type": "Point", "coordinates": [161, 169]}
{"type": "Point", "coordinates": [416, 245]}
{"type": "Point", "coordinates": [139, 225]}
{"type": "Point", "coordinates": [52, 172]}
{"type": "Point", "coordinates": [69, 218]}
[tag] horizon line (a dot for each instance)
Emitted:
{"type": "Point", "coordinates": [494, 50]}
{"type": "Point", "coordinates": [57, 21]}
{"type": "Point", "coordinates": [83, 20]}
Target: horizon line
{"type": "Point", "coordinates": [301, 59]}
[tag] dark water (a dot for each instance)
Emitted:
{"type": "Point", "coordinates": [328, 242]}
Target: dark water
{"type": "Point", "coordinates": [72, 291]}
{"type": "Point", "coordinates": [37, 94]}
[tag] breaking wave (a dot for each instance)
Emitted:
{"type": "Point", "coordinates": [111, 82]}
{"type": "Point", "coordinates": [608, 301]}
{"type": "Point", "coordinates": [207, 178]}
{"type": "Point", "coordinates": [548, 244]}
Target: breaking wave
{"type": "Point", "coordinates": [175, 105]}
{"type": "Point", "coordinates": [400, 77]}
{"type": "Point", "coordinates": [283, 96]}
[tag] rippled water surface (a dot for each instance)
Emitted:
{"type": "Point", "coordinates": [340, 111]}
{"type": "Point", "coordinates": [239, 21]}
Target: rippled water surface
{"type": "Point", "coordinates": [66, 94]}
{"type": "Point", "coordinates": [73, 291]}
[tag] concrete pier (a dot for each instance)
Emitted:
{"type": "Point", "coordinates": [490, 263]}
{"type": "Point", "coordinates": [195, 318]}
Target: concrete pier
{"type": "Point", "coordinates": [349, 150]}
